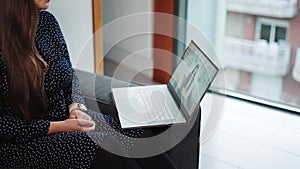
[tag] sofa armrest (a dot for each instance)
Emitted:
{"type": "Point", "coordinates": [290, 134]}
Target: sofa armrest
{"type": "Point", "coordinates": [96, 90]}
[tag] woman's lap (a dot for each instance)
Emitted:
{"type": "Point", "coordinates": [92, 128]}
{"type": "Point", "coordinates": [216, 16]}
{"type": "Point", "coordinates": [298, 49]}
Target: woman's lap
{"type": "Point", "coordinates": [71, 149]}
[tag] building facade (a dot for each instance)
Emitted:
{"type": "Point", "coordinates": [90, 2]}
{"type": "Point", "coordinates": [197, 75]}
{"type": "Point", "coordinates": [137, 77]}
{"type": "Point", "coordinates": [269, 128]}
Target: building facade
{"type": "Point", "coordinates": [262, 48]}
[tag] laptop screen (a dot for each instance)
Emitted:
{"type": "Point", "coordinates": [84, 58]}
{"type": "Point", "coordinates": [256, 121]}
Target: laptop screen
{"type": "Point", "coordinates": [191, 78]}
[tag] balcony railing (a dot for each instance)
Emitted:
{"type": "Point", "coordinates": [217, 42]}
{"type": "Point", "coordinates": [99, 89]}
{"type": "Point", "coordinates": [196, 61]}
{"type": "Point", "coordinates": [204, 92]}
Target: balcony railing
{"type": "Point", "coordinates": [257, 56]}
{"type": "Point", "coordinates": [296, 70]}
{"type": "Point", "coordinates": [272, 8]}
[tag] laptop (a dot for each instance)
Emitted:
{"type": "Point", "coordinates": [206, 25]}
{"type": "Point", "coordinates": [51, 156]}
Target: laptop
{"type": "Point", "coordinates": [171, 103]}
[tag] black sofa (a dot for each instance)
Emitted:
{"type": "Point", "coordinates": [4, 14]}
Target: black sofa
{"type": "Point", "coordinates": [184, 155]}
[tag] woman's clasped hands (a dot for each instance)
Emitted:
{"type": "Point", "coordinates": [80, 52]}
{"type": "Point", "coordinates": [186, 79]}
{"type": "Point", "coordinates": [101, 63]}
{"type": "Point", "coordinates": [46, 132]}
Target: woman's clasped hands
{"type": "Point", "coordinates": [78, 120]}
{"type": "Point", "coordinates": [81, 120]}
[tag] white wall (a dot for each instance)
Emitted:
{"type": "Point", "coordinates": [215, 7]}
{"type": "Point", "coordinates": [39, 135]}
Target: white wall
{"type": "Point", "coordinates": [125, 27]}
{"type": "Point", "coordinates": [209, 17]}
{"type": "Point", "coordinates": [75, 19]}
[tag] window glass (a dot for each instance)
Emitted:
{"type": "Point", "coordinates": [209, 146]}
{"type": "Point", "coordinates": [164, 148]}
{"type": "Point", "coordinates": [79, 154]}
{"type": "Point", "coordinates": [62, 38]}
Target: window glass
{"type": "Point", "coordinates": [265, 32]}
{"type": "Point", "coordinates": [260, 54]}
{"type": "Point", "coordinates": [280, 34]}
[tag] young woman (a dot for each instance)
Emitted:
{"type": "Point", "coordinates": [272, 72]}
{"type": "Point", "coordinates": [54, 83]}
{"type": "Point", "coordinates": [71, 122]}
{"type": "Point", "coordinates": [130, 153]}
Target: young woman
{"type": "Point", "coordinates": [43, 124]}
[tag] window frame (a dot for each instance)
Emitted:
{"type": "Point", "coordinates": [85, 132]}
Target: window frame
{"type": "Point", "coordinates": [273, 23]}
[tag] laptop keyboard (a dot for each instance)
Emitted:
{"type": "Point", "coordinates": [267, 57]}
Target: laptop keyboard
{"type": "Point", "coordinates": [154, 105]}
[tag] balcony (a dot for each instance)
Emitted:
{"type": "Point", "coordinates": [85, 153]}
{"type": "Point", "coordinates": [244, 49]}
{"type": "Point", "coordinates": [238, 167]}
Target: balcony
{"type": "Point", "coordinates": [257, 56]}
{"type": "Point", "coordinates": [271, 8]}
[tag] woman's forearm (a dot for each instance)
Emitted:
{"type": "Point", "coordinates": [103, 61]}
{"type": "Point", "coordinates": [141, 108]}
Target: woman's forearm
{"type": "Point", "coordinates": [55, 127]}
{"type": "Point", "coordinates": [70, 125]}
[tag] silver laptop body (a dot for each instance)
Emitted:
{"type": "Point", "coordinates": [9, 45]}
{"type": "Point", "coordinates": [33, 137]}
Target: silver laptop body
{"type": "Point", "coordinates": [172, 103]}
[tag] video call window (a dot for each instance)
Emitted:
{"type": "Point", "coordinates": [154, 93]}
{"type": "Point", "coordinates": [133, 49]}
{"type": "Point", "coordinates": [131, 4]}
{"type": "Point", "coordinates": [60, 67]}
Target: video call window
{"type": "Point", "coordinates": [191, 77]}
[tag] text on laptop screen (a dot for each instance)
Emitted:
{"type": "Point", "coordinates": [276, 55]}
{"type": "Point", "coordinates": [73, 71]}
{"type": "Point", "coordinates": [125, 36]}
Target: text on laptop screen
{"type": "Point", "coordinates": [191, 78]}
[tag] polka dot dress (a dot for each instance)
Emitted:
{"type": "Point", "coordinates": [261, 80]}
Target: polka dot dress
{"type": "Point", "coordinates": [29, 146]}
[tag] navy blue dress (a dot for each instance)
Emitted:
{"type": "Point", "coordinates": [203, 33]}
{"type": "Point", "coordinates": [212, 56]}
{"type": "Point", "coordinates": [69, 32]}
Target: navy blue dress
{"type": "Point", "coordinates": [29, 145]}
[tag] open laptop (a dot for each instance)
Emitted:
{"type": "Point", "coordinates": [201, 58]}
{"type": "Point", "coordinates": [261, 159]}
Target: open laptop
{"type": "Point", "coordinates": [172, 103]}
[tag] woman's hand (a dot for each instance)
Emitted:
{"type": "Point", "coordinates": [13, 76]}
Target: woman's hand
{"type": "Point", "coordinates": [78, 121]}
{"type": "Point", "coordinates": [79, 124]}
{"type": "Point", "coordinates": [78, 114]}
{"type": "Point", "coordinates": [70, 125]}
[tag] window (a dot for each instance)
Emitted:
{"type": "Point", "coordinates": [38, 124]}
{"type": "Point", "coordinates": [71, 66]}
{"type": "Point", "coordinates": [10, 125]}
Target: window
{"type": "Point", "coordinates": [271, 30]}
{"type": "Point", "coordinates": [257, 53]}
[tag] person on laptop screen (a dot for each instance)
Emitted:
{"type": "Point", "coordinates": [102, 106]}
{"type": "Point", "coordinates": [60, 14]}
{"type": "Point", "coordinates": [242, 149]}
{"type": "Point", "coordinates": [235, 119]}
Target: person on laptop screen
{"type": "Point", "coordinates": [190, 84]}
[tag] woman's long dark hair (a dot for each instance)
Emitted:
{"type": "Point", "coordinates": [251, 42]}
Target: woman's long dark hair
{"type": "Point", "coordinates": [25, 67]}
